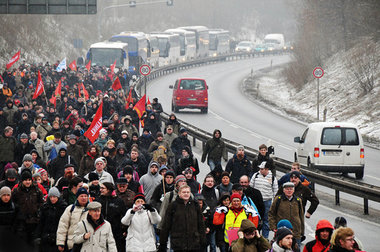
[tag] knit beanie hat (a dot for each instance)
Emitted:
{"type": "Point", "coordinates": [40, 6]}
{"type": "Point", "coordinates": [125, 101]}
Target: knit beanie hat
{"type": "Point", "coordinates": [128, 170]}
{"type": "Point", "coordinates": [282, 233]}
{"type": "Point", "coordinates": [284, 223]}
{"type": "Point", "coordinates": [170, 173]}
{"type": "Point", "coordinates": [81, 191]}
{"type": "Point", "coordinates": [26, 174]}
{"type": "Point", "coordinates": [138, 196]}
{"type": "Point", "coordinates": [5, 190]}
{"type": "Point", "coordinates": [41, 171]}
{"type": "Point", "coordinates": [180, 178]}
{"type": "Point", "coordinates": [93, 176]}
{"type": "Point", "coordinates": [54, 192]}
{"type": "Point", "coordinates": [11, 173]}
{"type": "Point", "coordinates": [27, 157]}
{"type": "Point", "coordinates": [99, 160]}
{"type": "Point", "coordinates": [235, 195]}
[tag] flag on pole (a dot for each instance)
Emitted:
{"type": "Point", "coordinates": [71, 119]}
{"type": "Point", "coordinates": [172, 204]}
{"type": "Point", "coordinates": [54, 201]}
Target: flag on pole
{"type": "Point", "coordinates": [61, 65]}
{"type": "Point", "coordinates": [140, 108]}
{"type": "Point", "coordinates": [112, 67]}
{"type": "Point", "coordinates": [13, 60]}
{"type": "Point", "coordinates": [86, 95]}
{"type": "Point", "coordinates": [93, 131]}
{"type": "Point", "coordinates": [73, 66]}
{"type": "Point", "coordinates": [116, 84]}
{"type": "Point", "coordinates": [148, 102]}
{"type": "Point", "coordinates": [129, 99]}
{"type": "Point", "coordinates": [1, 79]}
{"type": "Point", "coordinates": [88, 66]}
{"type": "Point", "coordinates": [39, 88]}
{"type": "Point", "coordinates": [57, 92]}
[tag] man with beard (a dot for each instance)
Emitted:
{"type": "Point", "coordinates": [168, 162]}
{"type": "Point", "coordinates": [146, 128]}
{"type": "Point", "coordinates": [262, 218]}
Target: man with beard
{"type": "Point", "coordinates": [57, 166]}
{"type": "Point", "coordinates": [323, 234]}
{"type": "Point", "coordinates": [238, 165]}
{"type": "Point", "coordinates": [67, 176]}
{"type": "Point", "coordinates": [214, 150]}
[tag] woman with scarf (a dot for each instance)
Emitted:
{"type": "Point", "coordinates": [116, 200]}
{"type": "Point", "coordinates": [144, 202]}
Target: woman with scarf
{"type": "Point", "coordinates": [87, 161]}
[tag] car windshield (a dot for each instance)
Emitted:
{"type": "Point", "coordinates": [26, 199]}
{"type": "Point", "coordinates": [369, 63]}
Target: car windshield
{"type": "Point", "coordinates": [244, 44]}
{"type": "Point", "coordinates": [340, 136]}
{"type": "Point", "coordinates": [192, 85]}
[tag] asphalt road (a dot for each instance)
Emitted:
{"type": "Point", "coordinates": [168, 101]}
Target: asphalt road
{"type": "Point", "coordinates": [250, 124]}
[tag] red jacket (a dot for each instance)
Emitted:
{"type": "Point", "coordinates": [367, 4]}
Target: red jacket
{"type": "Point", "coordinates": [316, 245]}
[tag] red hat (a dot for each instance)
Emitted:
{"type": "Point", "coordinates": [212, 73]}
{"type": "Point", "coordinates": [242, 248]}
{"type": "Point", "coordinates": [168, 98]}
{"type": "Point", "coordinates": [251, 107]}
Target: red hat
{"type": "Point", "coordinates": [235, 195]}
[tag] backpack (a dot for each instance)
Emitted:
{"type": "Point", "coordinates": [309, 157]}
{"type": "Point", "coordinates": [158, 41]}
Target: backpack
{"type": "Point", "coordinates": [160, 152]}
{"type": "Point", "coordinates": [279, 201]}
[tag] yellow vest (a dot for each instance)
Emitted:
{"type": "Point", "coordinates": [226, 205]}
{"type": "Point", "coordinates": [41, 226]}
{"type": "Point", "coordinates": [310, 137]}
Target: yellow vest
{"type": "Point", "coordinates": [233, 221]}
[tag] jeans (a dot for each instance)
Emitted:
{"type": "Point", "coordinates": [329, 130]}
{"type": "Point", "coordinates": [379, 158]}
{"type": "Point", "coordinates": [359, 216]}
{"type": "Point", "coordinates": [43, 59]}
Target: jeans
{"type": "Point", "coordinates": [213, 163]}
{"type": "Point", "coordinates": [265, 231]}
{"type": "Point", "coordinates": [211, 241]}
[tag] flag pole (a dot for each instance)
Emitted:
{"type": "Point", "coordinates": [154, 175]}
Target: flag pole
{"type": "Point", "coordinates": [47, 103]}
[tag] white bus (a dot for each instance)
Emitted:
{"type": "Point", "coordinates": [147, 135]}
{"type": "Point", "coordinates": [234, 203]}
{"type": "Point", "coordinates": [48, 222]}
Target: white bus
{"type": "Point", "coordinates": [219, 42]}
{"type": "Point", "coordinates": [153, 56]}
{"type": "Point", "coordinates": [202, 39]}
{"type": "Point", "coordinates": [168, 44]}
{"type": "Point", "coordinates": [186, 42]}
{"type": "Point", "coordinates": [105, 53]}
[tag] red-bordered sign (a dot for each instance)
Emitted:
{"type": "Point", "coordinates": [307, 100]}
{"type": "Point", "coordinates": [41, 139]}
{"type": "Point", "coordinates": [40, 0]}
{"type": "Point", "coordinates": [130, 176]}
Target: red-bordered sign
{"type": "Point", "coordinates": [318, 72]}
{"type": "Point", "coordinates": [145, 70]}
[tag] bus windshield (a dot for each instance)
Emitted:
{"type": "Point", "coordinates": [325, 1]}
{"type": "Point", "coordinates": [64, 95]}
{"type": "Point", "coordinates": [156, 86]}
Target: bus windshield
{"type": "Point", "coordinates": [213, 42]}
{"type": "Point", "coordinates": [164, 46]}
{"type": "Point", "coordinates": [132, 42]}
{"type": "Point", "coordinates": [106, 56]}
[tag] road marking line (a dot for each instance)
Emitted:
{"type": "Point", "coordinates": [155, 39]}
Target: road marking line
{"type": "Point", "coordinates": [234, 126]}
{"type": "Point", "coordinates": [285, 147]}
{"type": "Point", "coordinates": [351, 216]}
{"type": "Point", "coordinates": [373, 177]}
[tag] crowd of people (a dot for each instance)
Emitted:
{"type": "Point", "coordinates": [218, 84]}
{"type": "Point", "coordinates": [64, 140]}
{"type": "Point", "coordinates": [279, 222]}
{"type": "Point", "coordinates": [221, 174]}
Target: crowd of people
{"type": "Point", "coordinates": [136, 192]}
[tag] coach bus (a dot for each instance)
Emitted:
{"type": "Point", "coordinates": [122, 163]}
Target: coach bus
{"type": "Point", "coordinates": [219, 42]}
{"type": "Point", "coordinates": [201, 39]}
{"type": "Point", "coordinates": [168, 43]}
{"type": "Point", "coordinates": [105, 54]}
{"type": "Point", "coordinates": [137, 49]}
{"type": "Point", "coordinates": [186, 42]}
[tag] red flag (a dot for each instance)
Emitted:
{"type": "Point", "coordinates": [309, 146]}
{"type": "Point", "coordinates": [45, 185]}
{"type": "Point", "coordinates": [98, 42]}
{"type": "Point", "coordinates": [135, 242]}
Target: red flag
{"type": "Point", "coordinates": [140, 108]}
{"type": "Point", "coordinates": [148, 103]}
{"type": "Point", "coordinates": [112, 67]}
{"type": "Point", "coordinates": [86, 96]}
{"type": "Point", "coordinates": [53, 100]}
{"type": "Point", "coordinates": [14, 59]}
{"type": "Point", "coordinates": [116, 84]}
{"type": "Point", "coordinates": [88, 66]}
{"type": "Point", "coordinates": [1, 79]}
{"type": "Point", "coordinates": [93, 131]}
{"type": "Point", "coordinates": [39, 88]}
{"type": "Point", "coordinates": [129, 99]}
{"type": "Point", "coordinates": [57, 92]}
{"type": "Point", "coordinates": [73, 66]}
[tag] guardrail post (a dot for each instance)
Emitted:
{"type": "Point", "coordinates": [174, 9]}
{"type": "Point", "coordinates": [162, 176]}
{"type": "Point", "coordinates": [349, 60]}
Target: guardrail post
{"type": "Point", "coordinates": [366, 206]}
{"type": "Point", "coordinates": [337, 200]}
{"type": "Point", "coordinates": [312, 185]}
{"type": "Point", "coordinates": [194, 141]}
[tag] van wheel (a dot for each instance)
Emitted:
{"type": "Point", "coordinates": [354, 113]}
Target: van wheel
{"type": "Point", "coordinates": [359, 174]}
{"type": "Point", "coordinates": [204, 110]}
{"type": "Point", "coordinates": [176, 109]}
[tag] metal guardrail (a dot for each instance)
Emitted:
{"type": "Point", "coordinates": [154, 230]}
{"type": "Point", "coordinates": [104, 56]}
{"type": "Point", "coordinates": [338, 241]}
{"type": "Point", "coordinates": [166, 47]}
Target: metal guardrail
{"type": "Point", "coordinates": [339, 184]}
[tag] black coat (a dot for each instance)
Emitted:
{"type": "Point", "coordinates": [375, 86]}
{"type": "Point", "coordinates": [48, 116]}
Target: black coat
{"type": "Point", "coordinates": [56, 168]}
{"type": "Point", "coordinates": [178, 144]}
{"type": "Point", "coordinates": [7, 214]}
{"type": "Point", "coordinates": [257, 198]}
{"type": "Point", "coordinates": [48, 225]}
{"type": "Point", "coordinates": [21, 150]}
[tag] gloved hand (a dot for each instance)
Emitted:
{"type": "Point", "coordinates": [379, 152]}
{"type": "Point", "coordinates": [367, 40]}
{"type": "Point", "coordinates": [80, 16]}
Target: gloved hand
{"type": "Point", "coordinates": [222, 209]}
{"type": "Point", "coordinates": [149, 207]}
{"type": "Point", "coordinates": [250, 210]}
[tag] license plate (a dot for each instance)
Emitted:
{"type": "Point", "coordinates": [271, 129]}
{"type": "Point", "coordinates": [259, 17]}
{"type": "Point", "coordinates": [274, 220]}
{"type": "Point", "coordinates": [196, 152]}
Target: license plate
{"type": "Point", "coordinates": [331, 153]}
{"type": "Point", "coordinates": [191, 99]}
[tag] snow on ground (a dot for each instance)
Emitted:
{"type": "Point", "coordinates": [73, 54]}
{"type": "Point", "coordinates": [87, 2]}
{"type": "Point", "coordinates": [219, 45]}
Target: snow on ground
{"type": "Point", "coordinates": [340, 95]}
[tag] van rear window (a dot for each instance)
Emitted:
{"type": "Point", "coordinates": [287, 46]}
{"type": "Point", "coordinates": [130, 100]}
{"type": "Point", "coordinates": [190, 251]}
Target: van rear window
{"type": "Point", "coordinates": [340, 136]}
{"type": "Point", "coordinates": [192, 85]}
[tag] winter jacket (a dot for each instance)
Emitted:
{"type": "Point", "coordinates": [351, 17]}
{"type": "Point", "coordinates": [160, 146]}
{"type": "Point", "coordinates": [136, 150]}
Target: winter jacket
{"type": "Point", "coordinates": [259, 159]}
{"type": "Point", "coordinates": [149, 182]}
{"type": "Point", "coordinates": [101, 239]}
{"type": "Point", "coordinates": [224, 189]}
{"type": "Point", "coordinates": [87, 164]}
{"type": "Point", "coordinates": [9, 113]}
{"type": "Point", "coordinates": [317, 245]}
{"type": "Point", "coordinates": [211, 196]}
{"type": "Point", "coordinates": [68, 222]}
{"type": "Point", "coordinates": [43, 130]}
{"type": "Point", "coordinates": [76, 151]}
{"type": "Point", "coordinates": [127, 197]}
{"type": "Point", "coordinates": [181, 222]}
{"type": "Point", "coordinates": [28, 200]}
{"type": "Point", "coordinates": [7, 214]}
{"type": "Point", "coordinates": [7, 148]}
{"type": "Point", "coordinates": [152, 125]}
{"type": "Point", "coordinates": [290, 210]}
{"type": "Point", "coordinates": [49, 145]}
{"type": "Point", "coordinates": [159, 193]}
{"type": "Point", "coordinates": [49, 220]}
{"type": "Point", "coordinates": [215, 149]}
{"type": "Point", "coordinates": [21, 150]}
{"type": "Point", "coordinates": [238, 168]}
{"type": "Point", "coordinates": [170, 138]}
{"type": "Point", "coordinates": [178, 144]}
{"type": "Point", "coordinates": [140, 165]}
{"type": "Point", "coordinates": [254, 245]}
{"type": "Point", "coordinates": [257, 199]}
{"type": "Point", "coordinates": [141, 236]}
{"type": "Point", "coordinates": [56, 168]}
{"type": "Point", "coordinates": [286, 178]}
{"type": "Point", "coordinates": [305, 194]}
{"type": "Point", "coordinates": [129, 128]}
{"type": "Point", "coordinates": [277, 248]}
{"type": "Point", "coordinates": [185, 162]}
{"type": "Point", "coordinates": [103, 177]}
{"type": "Point", "coordinates": [39, 146]}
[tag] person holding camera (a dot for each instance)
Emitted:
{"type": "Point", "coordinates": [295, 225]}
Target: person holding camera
{"type": "Point", "coordinates": [140, 219]}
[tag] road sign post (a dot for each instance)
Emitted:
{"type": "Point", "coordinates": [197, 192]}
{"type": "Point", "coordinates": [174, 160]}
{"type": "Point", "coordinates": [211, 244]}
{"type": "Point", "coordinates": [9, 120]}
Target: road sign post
{"type": "Point", "coordinates": [145, 71]}
{"type": "Point", "coordinates": [318, 73]}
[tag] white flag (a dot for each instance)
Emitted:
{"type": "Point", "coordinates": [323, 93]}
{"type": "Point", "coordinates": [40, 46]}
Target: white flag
{"type": "Point", "coordinates": [61, 65]}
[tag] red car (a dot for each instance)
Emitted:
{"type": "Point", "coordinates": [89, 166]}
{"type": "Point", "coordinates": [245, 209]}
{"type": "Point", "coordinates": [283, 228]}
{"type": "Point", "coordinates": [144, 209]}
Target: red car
{"type": "Point", "coordinates": [190, 93]}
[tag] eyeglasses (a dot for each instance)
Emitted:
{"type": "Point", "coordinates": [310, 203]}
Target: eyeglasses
{"type": "Point", "coordinates": [351, 239]}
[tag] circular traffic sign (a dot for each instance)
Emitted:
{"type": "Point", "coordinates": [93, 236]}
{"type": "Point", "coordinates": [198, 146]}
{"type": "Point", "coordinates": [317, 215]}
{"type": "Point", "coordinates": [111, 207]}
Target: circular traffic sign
{"type": "Point", "coordinates": [145, 70]}
{"type": "Point", "coordinates": [318, 72]}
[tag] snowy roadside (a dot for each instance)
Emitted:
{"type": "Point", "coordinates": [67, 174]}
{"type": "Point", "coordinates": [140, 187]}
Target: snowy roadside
{"type": "Point", "coordinates": [269, 88]}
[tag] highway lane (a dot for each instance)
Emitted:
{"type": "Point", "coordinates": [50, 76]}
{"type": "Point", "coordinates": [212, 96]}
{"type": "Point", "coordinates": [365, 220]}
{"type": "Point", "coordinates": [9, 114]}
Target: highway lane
{"type": "Point", "coordinates": [237, 116]}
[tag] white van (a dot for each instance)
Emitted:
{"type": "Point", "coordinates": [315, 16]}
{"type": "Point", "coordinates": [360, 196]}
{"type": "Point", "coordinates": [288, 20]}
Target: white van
{"type": "Point", "coordinates": [332, 147]}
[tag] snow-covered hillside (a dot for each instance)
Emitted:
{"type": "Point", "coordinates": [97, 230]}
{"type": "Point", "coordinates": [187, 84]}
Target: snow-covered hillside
{"type": "Point", "coordinates": [340, 94]}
